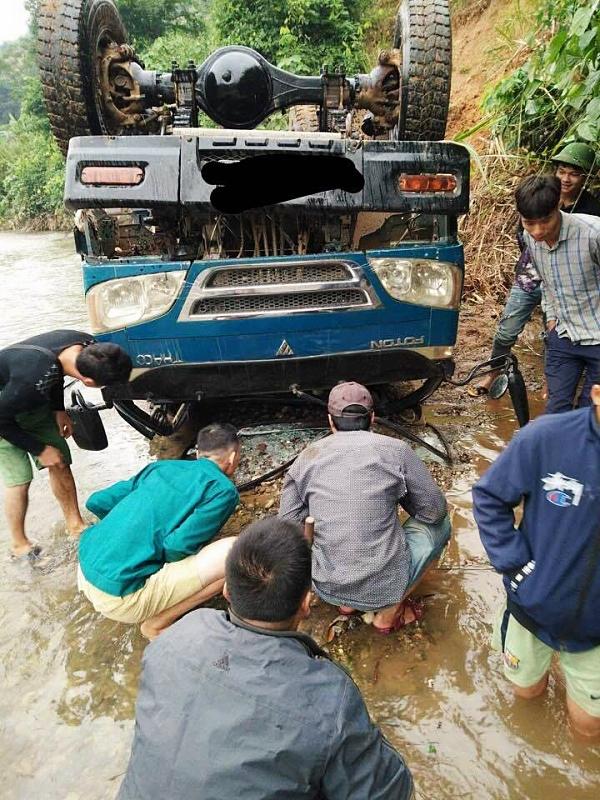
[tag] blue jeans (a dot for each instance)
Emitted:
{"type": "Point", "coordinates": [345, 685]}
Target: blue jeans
{"type": "Point", "coordinates": [565, 363]}
{"type": "Point", "coordinates": [426, 543]}
{"type": "Point", "coordinates": [519, 307]}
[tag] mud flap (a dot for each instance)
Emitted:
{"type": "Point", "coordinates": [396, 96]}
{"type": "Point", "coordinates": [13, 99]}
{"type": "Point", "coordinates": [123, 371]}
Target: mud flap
{"type": "Point", "coordinates": [88, 429]}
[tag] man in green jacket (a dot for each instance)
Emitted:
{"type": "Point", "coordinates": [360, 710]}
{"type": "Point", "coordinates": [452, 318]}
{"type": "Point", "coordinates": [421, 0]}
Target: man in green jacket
{"type": "Point", "coordinates": [148, 559]}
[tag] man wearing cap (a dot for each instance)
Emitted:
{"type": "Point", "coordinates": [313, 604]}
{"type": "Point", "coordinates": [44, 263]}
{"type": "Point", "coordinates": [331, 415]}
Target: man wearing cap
{"type": "Point", "coordinates": [352, 483]}
{"type": "Point", "coordinates": [574, 165]}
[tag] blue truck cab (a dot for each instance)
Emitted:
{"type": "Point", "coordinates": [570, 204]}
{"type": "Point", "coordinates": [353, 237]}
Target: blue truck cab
{"type": "Point", "coordinates": [336, 285]}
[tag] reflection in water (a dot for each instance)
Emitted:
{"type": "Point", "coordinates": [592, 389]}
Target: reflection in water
{"type": "Point", "coordinates": [68, 677]}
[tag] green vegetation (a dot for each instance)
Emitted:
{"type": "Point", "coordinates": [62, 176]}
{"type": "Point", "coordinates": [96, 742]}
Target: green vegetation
{"type": "Point", "coordinates": [551, 98]}
{"type": "Point", "coordinates": [16, 65]}
{"type": "Point", "coordinates": [299, 35]}
{"type": "Point", "coordinates": [554, 96]}
{"type": "Point", "coordinates": [149, 20]}
{"type": "Point", "coordinates": [31, 166]}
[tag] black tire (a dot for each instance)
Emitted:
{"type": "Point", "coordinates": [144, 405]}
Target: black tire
{"type": "Point", "coordinates": [424, 36]}
{"type": "Point", "coordinates": [70, 33]}
{"type": "Point", "coordinates": [303, 118]}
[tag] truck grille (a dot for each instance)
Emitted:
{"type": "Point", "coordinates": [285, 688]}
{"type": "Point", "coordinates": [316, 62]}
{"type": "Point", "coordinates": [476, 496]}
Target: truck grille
{"type": "Point", "coordinates": [275, 288]}
{"type": "Point", "coordinates": [256, 304]}
{"type": "Point", "coordinates": [282, 274]}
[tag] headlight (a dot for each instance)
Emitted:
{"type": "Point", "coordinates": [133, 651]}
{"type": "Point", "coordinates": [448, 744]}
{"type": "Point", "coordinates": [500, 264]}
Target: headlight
{"type": "Point", "coordinates": [420, 281]}
{"type": "Point", "coordinates": [127, 301]}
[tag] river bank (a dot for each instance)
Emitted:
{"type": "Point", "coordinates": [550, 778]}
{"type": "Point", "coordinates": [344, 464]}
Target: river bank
{"type": "Point", "coordinates": [61, 222]}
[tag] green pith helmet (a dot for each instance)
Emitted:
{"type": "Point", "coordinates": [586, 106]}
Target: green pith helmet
{"type": "Point", "coordinates": [578, 154]}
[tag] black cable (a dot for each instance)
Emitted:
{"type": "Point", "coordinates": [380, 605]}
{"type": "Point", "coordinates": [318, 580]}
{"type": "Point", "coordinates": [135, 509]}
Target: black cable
{"type": "Point", "coordinates": [445, 455]}
{"type": "Point", "coordinates": [274, 473]}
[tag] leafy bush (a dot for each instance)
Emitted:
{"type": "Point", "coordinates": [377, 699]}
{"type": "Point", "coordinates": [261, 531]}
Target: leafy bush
{"type": "Point", "coordinates": [298, 35]}
{"type": "Point", "coordinates": [176, 46]}
{"type": "Point", "coordinates": [17, 62]}
{"type": "Point", "coordinates": [148, 20]}
{"type": "Point", "coordinates": [31, 166]}
{"type": "Point", "coordinates": [555, 96]}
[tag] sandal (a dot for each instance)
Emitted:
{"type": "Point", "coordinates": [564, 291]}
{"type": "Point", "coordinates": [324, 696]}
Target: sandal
{"type": "Point", "coordinates": [399, 621]}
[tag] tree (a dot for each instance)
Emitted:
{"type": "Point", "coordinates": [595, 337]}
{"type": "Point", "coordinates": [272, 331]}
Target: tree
{"type": "Point", "coordinates": [555, 96]}
{"type": "Point", "coordinates": [17, 65]}
{"type": "Point", "coordinates": [147, 20]}
{"type": "Point", "coordinates": [299, 35]}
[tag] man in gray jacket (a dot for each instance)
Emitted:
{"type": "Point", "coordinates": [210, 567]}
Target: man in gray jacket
{"type": "Point", "coordinates": [241, 704]}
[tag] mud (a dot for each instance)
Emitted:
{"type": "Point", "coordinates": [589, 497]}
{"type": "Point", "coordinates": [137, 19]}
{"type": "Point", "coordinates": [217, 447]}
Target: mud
{"type": "Point", "coordinates": [68, 678]}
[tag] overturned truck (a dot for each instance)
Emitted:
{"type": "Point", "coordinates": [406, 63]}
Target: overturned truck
{"type": "Point", "coordinates": [244, 260]}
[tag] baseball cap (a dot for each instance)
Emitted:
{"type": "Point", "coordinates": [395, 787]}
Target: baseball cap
{"type": "Point", "coordinates": [348, 394]}
{"type": "Point", "coordinates": [577, 154]}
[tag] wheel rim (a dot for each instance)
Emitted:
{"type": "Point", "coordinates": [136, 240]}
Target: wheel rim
{"type": "Point", "coordinates": [104, 41]}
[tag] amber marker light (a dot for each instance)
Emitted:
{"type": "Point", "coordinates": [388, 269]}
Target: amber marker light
{"type": "Point", "coordinates": [112, 176]}
{"type": "Point", "coordinates": [426, 182]}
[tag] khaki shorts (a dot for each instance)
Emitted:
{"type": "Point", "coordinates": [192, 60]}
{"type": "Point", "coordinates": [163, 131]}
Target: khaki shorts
{"type": "Point", "coordinates": [172, 583]}
{"type": "Point", "coordinates": [527, 659]}
{"type": "Point", "coordinates": [16, 464]}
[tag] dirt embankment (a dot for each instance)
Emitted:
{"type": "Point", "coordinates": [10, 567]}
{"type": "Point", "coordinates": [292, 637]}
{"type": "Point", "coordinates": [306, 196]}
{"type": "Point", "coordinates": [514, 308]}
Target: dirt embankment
{"type": "Point", "coordinates": [488, 42]}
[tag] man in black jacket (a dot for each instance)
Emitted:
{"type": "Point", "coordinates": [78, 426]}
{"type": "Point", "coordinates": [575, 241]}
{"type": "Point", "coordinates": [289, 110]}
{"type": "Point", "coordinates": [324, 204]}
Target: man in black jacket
{"type": "Point", "coordinates": [34, 424]}
{"type": "Point", "coordinates": [241, 704]}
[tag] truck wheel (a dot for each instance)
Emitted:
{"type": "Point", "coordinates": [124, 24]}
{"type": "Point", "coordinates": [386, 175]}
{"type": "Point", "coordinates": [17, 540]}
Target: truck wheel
{"type": "Point", "coordinates": [71, 38]}
{"type": "Point", "coordinates": [303, 118]}
{"type": "Point", "coordinates": [423, 35]}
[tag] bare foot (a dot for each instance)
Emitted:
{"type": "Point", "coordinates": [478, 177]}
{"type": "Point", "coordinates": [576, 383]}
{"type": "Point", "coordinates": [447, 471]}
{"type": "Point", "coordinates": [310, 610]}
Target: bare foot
{"type": "Point", "coordinates": [149, 631]}
{"type": "Point", "coordinates": [77, 529]}
{"type": "Point", "coordinates": [33, 555]}
{"type": "Point", "coordinates": [22, 549]}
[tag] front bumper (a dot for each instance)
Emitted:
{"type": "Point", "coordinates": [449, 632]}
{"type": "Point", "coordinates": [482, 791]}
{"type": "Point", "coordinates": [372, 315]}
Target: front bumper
{"type": "Point", "coordinates": [183, 382]}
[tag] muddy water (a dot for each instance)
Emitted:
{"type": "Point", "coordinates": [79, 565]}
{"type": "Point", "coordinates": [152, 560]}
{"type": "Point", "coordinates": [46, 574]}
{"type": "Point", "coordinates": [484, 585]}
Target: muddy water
{"type": "Point", "coordinates": [68, 678]}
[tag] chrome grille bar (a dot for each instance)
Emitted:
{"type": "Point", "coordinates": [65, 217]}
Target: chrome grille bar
{"type": "Point", "coordinates": [286, 287]}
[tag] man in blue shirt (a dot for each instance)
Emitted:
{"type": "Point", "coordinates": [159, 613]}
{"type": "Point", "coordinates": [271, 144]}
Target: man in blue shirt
{"type": "Point", "coordinates": [143, 562]}
{"type": "Point", "coordinates": [243, 705]}
{"type": "Point", "coordinates": [550, 562]}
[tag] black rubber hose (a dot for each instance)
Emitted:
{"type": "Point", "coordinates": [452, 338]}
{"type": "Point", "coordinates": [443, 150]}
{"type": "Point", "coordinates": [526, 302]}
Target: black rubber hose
{"type": "Point", "coordinates": [444, 454]}
{"type": "Point", "coordinates": [274, 473]}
